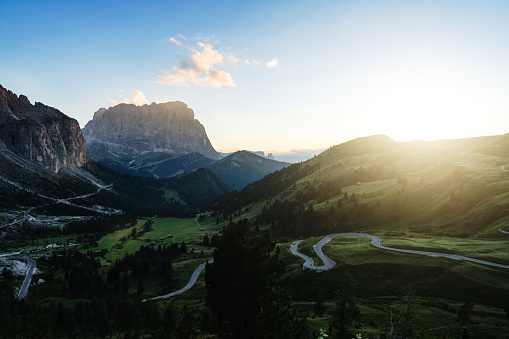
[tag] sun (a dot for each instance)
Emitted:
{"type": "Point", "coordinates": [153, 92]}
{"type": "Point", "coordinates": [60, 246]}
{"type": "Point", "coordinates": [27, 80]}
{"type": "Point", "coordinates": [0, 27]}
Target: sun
{"type": "Point", "coordinates": [418, 103]}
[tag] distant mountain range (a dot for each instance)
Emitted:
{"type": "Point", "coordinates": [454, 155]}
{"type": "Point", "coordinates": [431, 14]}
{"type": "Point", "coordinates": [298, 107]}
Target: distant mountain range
{"type": "Point", "coordinates": [167, 161]}
{"type": "Point", "coordinates": [242, 168]}
{"type": "Point", "coordinates": [291, 156]}
{"type": "Point", "coordinates": [44, 171]}
{"type": "Point", "coordinates": [164, 140]}
{"type": "Point", "coordinates": [446, 187]}
{"type": "Point", "coordinates": [258, 153]}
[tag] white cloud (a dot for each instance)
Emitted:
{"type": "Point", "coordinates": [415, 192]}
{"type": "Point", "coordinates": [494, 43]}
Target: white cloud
{"type": "Point", "coordinates": [112, 101]}
{"type": "Point", "coordinates": [176, 41]}
{"type": "Point", "coordinates": [272, 63]}
{"type": "Point", "coordinates": [138, 99]}
{"type": "Point", "coordinates": [198, 68]}
{"type": "Point", "coordinates": [203, 60]}
{"type": "Point", "coordinates": [223, 96]}
{"type": "Point", "coordinates": [232, 59]}
{"type": "Point", "coordinates": [218, 79]}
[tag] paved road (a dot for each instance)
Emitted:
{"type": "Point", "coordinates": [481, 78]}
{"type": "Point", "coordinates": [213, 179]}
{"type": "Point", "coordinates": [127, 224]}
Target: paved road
{"type": "Point", "coordinates": [26, 283]}
{"type": "Point", "coordinates": [328, 263]}
{"type": "Point", "coordinates": [25, 217]}
{"type": "Point", "coordinates": [375, 241]}
{"type": "Point", "coordinates": [190, 284]}
{"type": "Point", "coordinates": [66, 201]}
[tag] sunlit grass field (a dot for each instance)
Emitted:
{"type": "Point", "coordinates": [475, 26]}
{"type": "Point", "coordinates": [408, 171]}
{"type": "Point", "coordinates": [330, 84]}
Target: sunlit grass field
{"type": "Point", "coordinates": [489, 250]}
{"type": "Point", "coordinates": [182, 230]}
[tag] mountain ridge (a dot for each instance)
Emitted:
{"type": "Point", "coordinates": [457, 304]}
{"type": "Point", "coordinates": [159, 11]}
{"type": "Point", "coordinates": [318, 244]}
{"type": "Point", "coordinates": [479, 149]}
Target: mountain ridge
{"type": "Point", "coordinates": [39, 133]}
{"type": "Point", "coordinates": [45, 173]}
{"type": "Point", "coordinates": [454, 187]}
{"type": "Point", "coordinates": [243, 167]}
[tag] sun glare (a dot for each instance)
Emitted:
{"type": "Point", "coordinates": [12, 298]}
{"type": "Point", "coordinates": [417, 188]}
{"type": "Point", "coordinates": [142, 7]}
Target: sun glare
{"type": "Point", "coordinates": [427, 104]}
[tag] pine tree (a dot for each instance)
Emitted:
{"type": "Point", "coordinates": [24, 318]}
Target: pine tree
{"type": "Point", "coordinates": [238, 277]}
{"type": "Point", "coordinates": [169, 318]}
{"type": "Point", "coordinates": [406, 323]}
{"type": "Point", "coordinates": [464, 312]}
{"type": "Point", "coordinates": [206, 241]}
{"type": "Point", "coordinates": [125, 284]}
{"type": "Point", "coordinates": [345, 309]}
{"type": "Point", "coordinates": [278, 318]}
{"type": "Point", "coordinates": [185, 323]}
{"type": "Point", "coordinates": [141, 288]}
{"type": "Point", "coordinates": [319, 307]}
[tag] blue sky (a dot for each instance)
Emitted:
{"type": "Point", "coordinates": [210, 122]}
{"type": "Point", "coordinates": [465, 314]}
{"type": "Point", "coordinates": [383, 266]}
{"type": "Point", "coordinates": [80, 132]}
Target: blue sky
{"type": "Point", "coordinates": [271, 75]}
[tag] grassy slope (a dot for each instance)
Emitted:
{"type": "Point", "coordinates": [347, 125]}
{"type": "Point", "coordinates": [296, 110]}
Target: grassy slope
{"type": "Point", "coordinates": [182, 230]}
{"type": "Point", "coordinates": [464, 174]}
{"type": "Point", "coordinates": [383, 272]}
{"type": "Point", "coordinates": [243, 167]}
{"type": "Point", "coordinates": [382, 276]}
{"type": "Point", "coordinates": [451, 187]}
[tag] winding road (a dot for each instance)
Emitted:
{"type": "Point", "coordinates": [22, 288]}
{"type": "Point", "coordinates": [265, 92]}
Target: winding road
{"type": "Point", "coordinates": [328, 263]}
{"type": "Point", "coordinates": [375, 241]}
{"type": "Point", "coordinates": [190, 284]}
{"type": "Point", "coordinates": [30, 272]}
{"type": "Point", "coordinates": [25, 217]}
{"type": "Point", "coordinates": [67, 201]}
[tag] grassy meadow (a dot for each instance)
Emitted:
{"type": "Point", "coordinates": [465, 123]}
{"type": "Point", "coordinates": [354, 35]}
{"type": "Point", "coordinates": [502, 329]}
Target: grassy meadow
{"type": "Point", "coordinates": [381, 278]}
{"type": "Point", "coordinates": [118, 244]}
{"type": "Point", "coordinates": [182, 230]}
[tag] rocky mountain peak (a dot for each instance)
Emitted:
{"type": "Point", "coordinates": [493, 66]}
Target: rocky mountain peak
{"type": "Point", "coordinates": [39, 133]}
{"type": "Point", "coordinates": [128, 129]}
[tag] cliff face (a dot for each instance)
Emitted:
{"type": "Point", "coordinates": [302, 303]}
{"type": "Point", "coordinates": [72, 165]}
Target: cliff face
{"type": "Point", "coordinates": [135, 130]}
{"type": "Point", "coordinates": [39, 133]}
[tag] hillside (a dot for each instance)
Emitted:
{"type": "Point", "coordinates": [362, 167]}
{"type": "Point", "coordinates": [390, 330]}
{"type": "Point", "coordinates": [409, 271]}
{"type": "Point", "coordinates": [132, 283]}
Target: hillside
{"type": "Point", "coordinates": [164, 140]}
{"type": "Point", "coordinates": [40, 134]}
{"type": "Point", "coordinates": [243, 167]}
{"type": "Point", "coordinates": [45, 178]}
{"type": "Point", "coordinates": [449, 187]}
{"type": "Point", "coordinates": [96, 190]}
{"type": "Point", "coordinates": [237, 169]}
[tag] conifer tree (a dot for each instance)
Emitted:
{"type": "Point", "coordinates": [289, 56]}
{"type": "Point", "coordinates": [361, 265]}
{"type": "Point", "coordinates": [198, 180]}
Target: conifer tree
{"type": "Point", "coordinates": [238, 277]}
{"type": "Point", "coordinates": [278, 318]}
{"type": "Point", "coordinates": [141, 288]}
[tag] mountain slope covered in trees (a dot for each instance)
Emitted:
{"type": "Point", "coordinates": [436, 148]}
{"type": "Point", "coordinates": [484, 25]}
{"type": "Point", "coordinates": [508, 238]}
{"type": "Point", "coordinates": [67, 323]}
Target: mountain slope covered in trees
{"type": "Point", "coordinates": [94, 189]}
{"type": "Point", "coordinates": [454, 187]}
{"type": "Point", "coordinates": [237, 169]}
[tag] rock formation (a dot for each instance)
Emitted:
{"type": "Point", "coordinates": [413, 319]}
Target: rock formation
{"type": "Point", "coordinates": [126, 129]}
{"type": "Point", "coordinates": [39, 133]}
